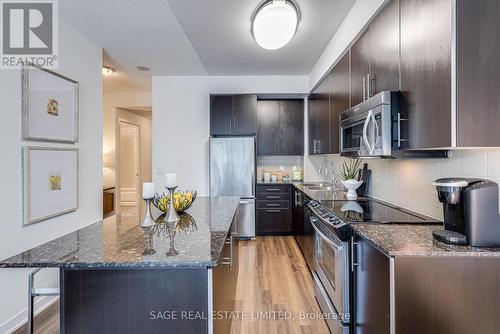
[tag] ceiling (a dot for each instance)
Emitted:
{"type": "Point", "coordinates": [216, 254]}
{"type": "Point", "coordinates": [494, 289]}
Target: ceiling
{"type": "Point", "coordinates": [193, 37]}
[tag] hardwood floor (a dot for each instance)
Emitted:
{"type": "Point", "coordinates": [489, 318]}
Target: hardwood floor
{"type": "Point", "coordinates": [47, 322]}
{"type": "Point", "coordinates": [273, 277]}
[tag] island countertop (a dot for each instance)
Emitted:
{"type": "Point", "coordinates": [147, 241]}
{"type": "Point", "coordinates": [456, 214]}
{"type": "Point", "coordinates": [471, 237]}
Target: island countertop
{"type": "Point", "coordinates": [114, 244]}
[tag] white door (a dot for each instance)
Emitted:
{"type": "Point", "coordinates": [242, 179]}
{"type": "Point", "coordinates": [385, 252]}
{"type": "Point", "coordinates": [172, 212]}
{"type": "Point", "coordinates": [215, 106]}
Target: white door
{"type": "Point", "coordinates": [129, 166]}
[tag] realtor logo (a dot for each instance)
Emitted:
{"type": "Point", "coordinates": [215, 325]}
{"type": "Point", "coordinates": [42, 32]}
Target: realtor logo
{"type": "Point", "coordinates": [29, 33]}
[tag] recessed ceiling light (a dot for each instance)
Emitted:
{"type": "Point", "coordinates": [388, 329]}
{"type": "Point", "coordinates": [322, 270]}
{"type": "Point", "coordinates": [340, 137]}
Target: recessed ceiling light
{"type": "Point", "coordinates": [107, 70]}
{"type": "Point", "coordinates": [143, 68]}
{"type": "Point", "coordinates": [274, 23]}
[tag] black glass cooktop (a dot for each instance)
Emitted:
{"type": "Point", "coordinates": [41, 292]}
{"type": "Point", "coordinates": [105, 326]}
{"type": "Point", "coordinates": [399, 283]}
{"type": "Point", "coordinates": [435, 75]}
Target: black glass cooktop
{"type": "Point", "coordinates": [369, 210]}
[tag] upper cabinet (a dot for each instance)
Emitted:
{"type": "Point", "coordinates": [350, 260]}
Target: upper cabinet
{"type": "Point", "coordinates": [232, 115]}
{"type": "Point", "coordinates": [360, 69]}
{"type": "Point", "coordinates": [319, 118]}
{"type": "Point", "coordinates": [339, 99]}
{"type": "Point", "coordinates": [280, 127]}
{"type": "Point", "coordinates": [375, 56]}
{"type": "Point", "coordinates": [478, 73]}
{"type": "Point", "coordinates": [384, 50]}
{"type": "Point", "coordinates": [426, 72]}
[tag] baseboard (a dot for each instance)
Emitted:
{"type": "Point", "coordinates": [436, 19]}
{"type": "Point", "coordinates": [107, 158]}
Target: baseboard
{"type": "Point", "coordinates": [21, 318]}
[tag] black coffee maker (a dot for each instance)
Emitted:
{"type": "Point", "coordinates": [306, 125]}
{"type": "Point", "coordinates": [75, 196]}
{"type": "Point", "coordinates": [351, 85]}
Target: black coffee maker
{"type": "Point", "coordinates": [470, 211]}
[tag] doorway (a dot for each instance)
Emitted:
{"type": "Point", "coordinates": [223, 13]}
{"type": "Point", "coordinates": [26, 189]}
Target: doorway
{"type": "Point", "coordinates": [129, 169]}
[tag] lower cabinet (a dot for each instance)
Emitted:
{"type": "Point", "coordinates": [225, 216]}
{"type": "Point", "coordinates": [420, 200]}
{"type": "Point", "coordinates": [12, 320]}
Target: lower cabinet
{"type": "Point", "coordinates": [371, 297]}
{"type": "Point", "coordinates": [274, 210]}
{"type": "Point", "coordinates": [224, 279]}
{"type": "Point", "coordinates": [424, 294]}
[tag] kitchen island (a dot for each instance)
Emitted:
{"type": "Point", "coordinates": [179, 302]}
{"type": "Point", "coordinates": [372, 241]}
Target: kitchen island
{"type": "Point", "coordinates": [117, 278]}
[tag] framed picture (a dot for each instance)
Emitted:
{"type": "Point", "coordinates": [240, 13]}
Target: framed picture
{"type": "Point", "coordinates": [50, 186]}
{"type": "Point", "coordinates": [50, 106]}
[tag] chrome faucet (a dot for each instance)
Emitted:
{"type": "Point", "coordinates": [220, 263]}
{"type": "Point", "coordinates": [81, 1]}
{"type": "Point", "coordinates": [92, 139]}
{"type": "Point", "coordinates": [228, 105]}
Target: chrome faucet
{"type": "Point", "coordinates": [322, 166]}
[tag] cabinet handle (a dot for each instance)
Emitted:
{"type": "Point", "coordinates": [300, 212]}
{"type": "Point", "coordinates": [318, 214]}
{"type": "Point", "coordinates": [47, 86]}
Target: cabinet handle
{"type": "Point", "coordinates": [400, 140]}
{"type": "Point", "coordinates": [235, 124]}
{"type": "Point", "coordinates": [230, 125]}
{"type": "Point", "coordinates": [364, 89]}
{"type": "Point", "coordinates": [273, 211]}
{"type": "Point", "coordinates": [368, 90]}
{"type": "Point", "coordinates": [272, 197]}
{"type": "Point", "coordinates": [272, 204]}
{"type": "Point", "coordinates": [272, 189]}
{"type": "Point", "coordinates": [353, 264]}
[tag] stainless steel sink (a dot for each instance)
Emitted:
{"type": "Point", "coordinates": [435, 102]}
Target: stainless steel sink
{"type": "Point", "coordinates": [322, 188]}
{"type": "Point", "coordinates": [316, 184]}
{"type": "Point", "coordinates": [319, 186]}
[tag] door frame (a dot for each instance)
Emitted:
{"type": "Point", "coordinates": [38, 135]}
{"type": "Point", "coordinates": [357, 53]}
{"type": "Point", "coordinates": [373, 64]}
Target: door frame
{"type": "Point", "coordinates": [120, 120]}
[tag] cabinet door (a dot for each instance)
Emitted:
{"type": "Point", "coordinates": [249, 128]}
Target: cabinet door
{"type": "Point", "coordinates": [291, 139]}
{"type": "Point", "coordinates": [426, 71]}
{"type": "Point", "coordinates": [384, 49]}
{"type": "Point", "coordinates": [478, 70]}
{"type": "Point", "coordinates": [268, 127]}
{"type": "Point", "coordinates": [312, 115]}
{"type": "Point", "coordinates": [245, 114]}
{"type": "Point", "coordinates": [221, 115]}
{"type": "Point", "coordinates": [298, 217]}
{"type": "Point", "coordinates": [323, 116]}
{"type": "Point", "coordinates": [371, 289]}
{"type": "Point", "coordinates": [360, 67]}
{"type": "Point", "coordinates": [339, 99]}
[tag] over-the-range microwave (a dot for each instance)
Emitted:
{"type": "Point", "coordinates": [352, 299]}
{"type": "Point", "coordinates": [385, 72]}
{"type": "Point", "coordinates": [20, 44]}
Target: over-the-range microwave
{"type": "Point", "coordinates": [376, 128]}
{"type": "Point", "coordinates": [367, 129]}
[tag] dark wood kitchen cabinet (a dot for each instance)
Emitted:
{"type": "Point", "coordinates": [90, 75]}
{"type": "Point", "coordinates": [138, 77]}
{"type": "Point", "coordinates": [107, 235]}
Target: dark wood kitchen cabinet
{"type": "Point", "coordinates": [233, 115]}
{"type": "Point", "coordinates": [339, 99]}
{"type": "Point", "coordinates": [319, 119]}
{"type": "Point", "coordinates": [384, 49]}
{"type": "Point", "coordinates": [268, 127]}
{"type": "Point", "coordinates": [478, 73]}
{"type": "Point", "coordinates": [274, 209]}
{"type": "Point", "coordinates": [371, 295]}
{"type": "Point", "coordinates": [423, 294]}
{"type": "Point", "coordinates": [312, 112]}
{"type": "Point", "coordinates": [280, 127]}
{"type": "Point", "coordinates": [426, 72]}
{"type": "Point", "coordinates": [360, 69]}
{"type": "Point", "coordinates": [375, 56]}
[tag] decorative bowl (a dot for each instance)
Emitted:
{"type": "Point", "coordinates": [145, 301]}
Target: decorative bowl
{"type": "Point", "coordinates": [182, 200]}
{"type": "Point", "coordinates": [351, 186]}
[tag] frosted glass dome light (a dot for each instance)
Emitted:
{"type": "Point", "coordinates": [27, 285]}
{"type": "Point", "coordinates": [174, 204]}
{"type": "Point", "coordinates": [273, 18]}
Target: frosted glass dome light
{"type": "Point", "coordinates": [275, 23]}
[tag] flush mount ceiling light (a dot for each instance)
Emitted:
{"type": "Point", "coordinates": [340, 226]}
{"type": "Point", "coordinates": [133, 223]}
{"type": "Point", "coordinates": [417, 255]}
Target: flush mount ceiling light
{"type": "Point", "coordinates": [274, 23]}
{"type": "Point", "coordinates": [107, 71]}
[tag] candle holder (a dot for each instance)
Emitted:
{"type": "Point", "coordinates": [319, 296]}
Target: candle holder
{"type": "Point", "coordinates": [172, 215]}
{"type": "Point", "coordinates": [148, 240]}
{"type": "Point", "coordinates": [148, 219]}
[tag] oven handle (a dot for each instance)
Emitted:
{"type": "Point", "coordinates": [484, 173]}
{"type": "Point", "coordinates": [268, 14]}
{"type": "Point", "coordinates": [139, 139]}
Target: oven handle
{"type": "Point", "coordinates": [333, 243]}
{"type": "Point", "coordinates": [377, 131]}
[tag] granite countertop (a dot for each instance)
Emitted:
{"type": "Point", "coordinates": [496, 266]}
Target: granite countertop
{"type": "Point", "coordinates": [114, 244]}
{"type": "Point", "coordinates": [415, 240]}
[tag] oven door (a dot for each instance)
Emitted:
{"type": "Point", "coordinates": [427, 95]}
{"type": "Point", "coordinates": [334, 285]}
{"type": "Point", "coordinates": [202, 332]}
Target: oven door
{"type": "Point", "coordinates": [332, 267]}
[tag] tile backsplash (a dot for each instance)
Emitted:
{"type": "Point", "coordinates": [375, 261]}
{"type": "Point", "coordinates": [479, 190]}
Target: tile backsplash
{"type": "Point", "coordinates": [407, 182]}
{"type": "Point", "coordinates": [271, 162]}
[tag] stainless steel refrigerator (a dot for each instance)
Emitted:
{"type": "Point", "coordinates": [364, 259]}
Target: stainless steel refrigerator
{"type": "Point", "coordinates": [232, 173]}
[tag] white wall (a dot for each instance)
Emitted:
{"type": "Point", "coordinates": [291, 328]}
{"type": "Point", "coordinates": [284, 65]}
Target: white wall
{"type": "Point", "coordinates": [112, 101]}
{"type": "Point", "coordinates": [181, 121]}
{"type": "Point", "coordinates": [353, 25]}
{"type": "Point", "coordinates": [79, 59]}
